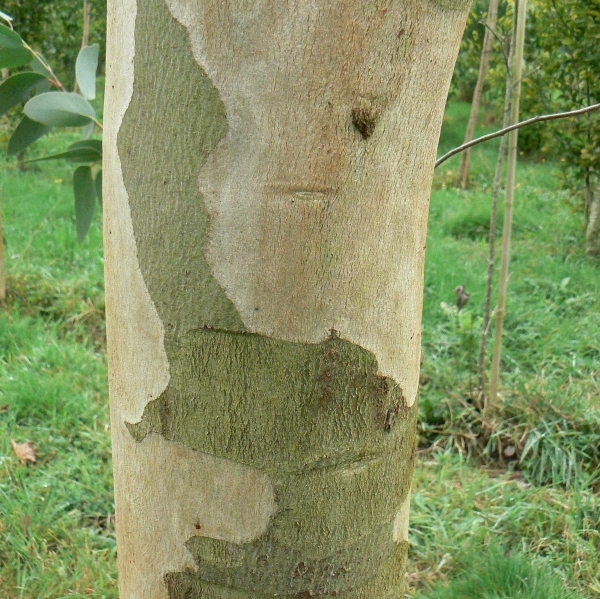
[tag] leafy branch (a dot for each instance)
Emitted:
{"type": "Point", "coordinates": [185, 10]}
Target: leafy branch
{"type": "Point", "coordinates": [45, 110]}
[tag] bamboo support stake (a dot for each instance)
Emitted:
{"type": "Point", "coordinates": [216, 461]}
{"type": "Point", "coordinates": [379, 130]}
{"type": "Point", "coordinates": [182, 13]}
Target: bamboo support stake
{"type": "Point", "coordinates": [488, 43]}
{"type": "Point", "coordinates": [487, 311]}
{"type": "Point", "coordinates": [508, 206]}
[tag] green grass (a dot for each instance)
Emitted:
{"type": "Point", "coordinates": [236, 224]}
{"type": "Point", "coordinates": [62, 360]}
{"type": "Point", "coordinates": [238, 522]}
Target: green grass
{"type": "Point", "coordinates": [479, 509]}
{"type": "Point", "coordinates": [497, 574]}
{"type": "Point", "coordinates": [57, 525]}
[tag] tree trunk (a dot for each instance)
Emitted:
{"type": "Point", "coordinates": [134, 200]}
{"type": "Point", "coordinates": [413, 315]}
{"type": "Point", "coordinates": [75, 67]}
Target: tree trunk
{"type": "Point", "coordinates": [591, 235]}
{"type": "Point", "coordinates": [267, 174]}
{"type": "Point", "coordinates": [486, 52]}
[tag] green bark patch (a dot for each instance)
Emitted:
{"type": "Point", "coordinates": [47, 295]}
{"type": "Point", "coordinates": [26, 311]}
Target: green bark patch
{"type": "Point", "coordinates": [316, 418]}
{"type": "Point", "coordinates": [384, 581]}
{"type": "Point", "coordinates": [336, 439]}
{"type": "Point", "coordinates": [173, 122]}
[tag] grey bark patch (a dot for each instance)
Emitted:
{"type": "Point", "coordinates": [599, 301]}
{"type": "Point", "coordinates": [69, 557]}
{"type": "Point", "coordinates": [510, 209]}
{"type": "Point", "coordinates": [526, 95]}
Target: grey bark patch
{"type": "Point", "coordinates": [453, 4]}
{"type": "Point", "coordinates": [293, 576]}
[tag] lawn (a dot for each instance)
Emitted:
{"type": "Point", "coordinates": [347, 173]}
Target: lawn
{"type": "Point", "coordinates": [532, 512]}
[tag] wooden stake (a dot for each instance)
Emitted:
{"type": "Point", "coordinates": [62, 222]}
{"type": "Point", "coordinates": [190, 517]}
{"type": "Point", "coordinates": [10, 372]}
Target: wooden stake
{"type": "Point", "coordinates": [487, 309]}
{"type": "Point", "coordinates": [85, 38]}
{"type": "Point", "coordinates": [513, 138]}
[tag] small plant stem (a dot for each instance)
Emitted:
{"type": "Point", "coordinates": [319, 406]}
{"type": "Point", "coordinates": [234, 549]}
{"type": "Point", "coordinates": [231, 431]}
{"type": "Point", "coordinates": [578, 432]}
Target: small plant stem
{"type": "Point", "coordinates": [2, 273]}
{"type": "Point", "coordinates": [501, 132]}
{"type": "Point", "coordinates": [487, 308]}
{"type": "Point", "coordinates": [486, 52]}
{"type": "Point", "coordinates": [85, 38]}
{"type": "Point", "coordinates": [513, 139]}
{"type": "Point", "coordinates": [54, 79]}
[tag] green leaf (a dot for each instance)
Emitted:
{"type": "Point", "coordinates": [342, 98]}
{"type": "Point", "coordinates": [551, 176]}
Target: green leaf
{"type": "Point", "coordinates": [60, 109]}
{"type": "Point", "coordinates": [16, 88]}
{"type": "Point", "coordinates": [87, 151]}
{"type": "Point", "coordinates": [25, 134]}
{"type": "Point", "coordinates": [37, 67]}
{"type": "Point", "coordinates": [88, 130]}
{"type": "Point", "coordinates": [85, 70]}
{"type": "Point", "coordinates": [10, 38]}
{"type": "Point", "coordinates": [85, 199]}
{"type": "Point", "coordinates": [14, 57]}
{"type": "Point", "coordinates": [91, 144]}
{"type": "Point", "coordinates": [98, 183]}
{"type": "Point", "coordinates": [84, 155]}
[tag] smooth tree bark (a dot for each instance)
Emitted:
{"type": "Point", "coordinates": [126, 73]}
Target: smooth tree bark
{"type": "Point", "coordinates": [486, 53]}
{"type": "Point", "coordinates": [267, 174]}
{"type": "Point", "coordinates": [592, 243]}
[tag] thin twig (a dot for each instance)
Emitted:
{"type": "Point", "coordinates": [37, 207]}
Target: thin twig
{"type": "Point", "coordinates": [501, 132]}
{"type": "Point", "coordinates": [500, 41]}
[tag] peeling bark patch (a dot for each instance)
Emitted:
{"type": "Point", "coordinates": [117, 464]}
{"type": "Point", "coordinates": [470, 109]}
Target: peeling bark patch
{"type": "Point", "coordinates": [314, 418]}
{"type": "Point", "coordinates": [174, 121]}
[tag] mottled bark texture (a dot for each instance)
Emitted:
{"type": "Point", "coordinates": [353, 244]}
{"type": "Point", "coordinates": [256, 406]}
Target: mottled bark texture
{"type": "Point", "coordinates": [267, 173]}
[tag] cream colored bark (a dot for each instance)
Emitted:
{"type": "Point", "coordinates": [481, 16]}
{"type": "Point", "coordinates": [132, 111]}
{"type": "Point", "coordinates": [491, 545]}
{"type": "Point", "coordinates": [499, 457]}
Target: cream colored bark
{"type": "Point", "coordinates": [317, 198]}
{"type": "Point", "coordinates": [593, 226]}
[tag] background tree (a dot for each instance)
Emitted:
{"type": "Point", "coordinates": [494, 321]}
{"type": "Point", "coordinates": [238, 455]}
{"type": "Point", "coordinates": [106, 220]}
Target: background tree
{"type": "Point", "coordinates": [564, 47]}
{"type": "Point", "coordinates": [264, 260]}
{"type": "Point", "coordinates": [488, 44]}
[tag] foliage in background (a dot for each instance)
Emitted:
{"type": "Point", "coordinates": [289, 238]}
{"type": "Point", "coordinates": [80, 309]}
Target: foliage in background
{"type": "Point", "coordinates": [549, 422]}
{"type": "Point", "coordinates": [564, 44]}
{"type": "Point", "coordinates": [45, 110]}
{"type": "Point", "coordinates": [55, 27]}
{"type": "Point", "coordinates": [467, 66]}
{"type": "Point", "coordinates": [561, 73]}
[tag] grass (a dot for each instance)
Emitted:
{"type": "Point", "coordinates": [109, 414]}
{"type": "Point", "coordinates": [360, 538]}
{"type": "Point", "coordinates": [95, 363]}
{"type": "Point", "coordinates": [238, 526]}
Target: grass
{"type": "Point", "coordinates": [498, 574]}
{"type": "Point", "coordinates": [515, 498]}
{"type": "Point", "coordinates": [57, 528]}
